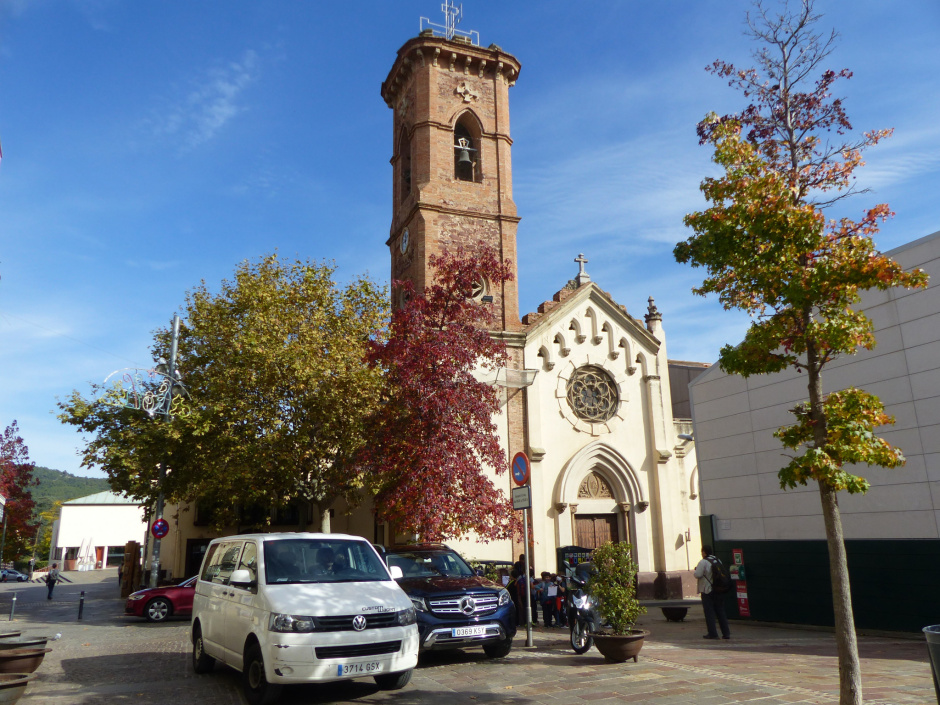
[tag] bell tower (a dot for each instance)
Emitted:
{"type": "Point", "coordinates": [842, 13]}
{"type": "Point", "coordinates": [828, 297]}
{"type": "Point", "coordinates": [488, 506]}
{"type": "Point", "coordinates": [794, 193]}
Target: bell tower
{"type": "Point", "coordinates": [451, 161]}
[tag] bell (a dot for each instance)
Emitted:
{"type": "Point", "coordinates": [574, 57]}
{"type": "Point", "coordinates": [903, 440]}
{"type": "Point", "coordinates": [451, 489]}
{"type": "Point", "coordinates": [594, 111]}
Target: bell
{"type": "Point", "coordinates": [464, 158]}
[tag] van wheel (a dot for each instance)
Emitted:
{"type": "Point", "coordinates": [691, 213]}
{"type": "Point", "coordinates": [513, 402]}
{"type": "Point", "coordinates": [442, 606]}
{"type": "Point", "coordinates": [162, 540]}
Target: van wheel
{"type": "Point", "coordinates": [254, 683]}
{"type": "Point", "coordinates": [202, 662]}
{"type": "Point", "coordinates": [393, 681]}
{"type": "Point", "coordinates": [499, 649]}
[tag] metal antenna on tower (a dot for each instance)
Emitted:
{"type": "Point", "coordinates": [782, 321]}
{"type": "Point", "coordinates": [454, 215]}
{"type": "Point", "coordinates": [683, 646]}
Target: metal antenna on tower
{"type": "Point", "coordinates": [452, 16]}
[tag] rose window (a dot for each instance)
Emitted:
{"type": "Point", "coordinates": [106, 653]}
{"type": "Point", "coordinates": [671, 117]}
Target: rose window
{"type": "Point", "coordinates": [592, 395]}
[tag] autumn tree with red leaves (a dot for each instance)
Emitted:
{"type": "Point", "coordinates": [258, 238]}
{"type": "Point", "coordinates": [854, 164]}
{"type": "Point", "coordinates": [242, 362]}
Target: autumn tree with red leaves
{"type": "Point", "coordinates": [770, 250]}
{"type": "Point", "coordinates": [433, 439]}
{"type": "Point", "coordinates": [16, 479]}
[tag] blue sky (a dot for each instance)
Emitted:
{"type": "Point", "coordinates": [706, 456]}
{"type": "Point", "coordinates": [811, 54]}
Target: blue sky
{"type": "Point", "coordinates": [149, 146]}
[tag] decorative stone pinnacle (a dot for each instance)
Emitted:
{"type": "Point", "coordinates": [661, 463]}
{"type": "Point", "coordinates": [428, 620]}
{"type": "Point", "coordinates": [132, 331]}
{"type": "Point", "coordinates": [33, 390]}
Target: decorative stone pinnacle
{"type": "Point", "coordinates": [583, 277]}
{"type": "Point", "coordinates": [653, 312]}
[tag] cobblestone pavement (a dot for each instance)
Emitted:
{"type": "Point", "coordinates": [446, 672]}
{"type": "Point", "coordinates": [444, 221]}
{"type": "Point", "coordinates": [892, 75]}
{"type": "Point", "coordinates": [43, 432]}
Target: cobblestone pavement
{"type": "Point", "coordinates": [109, 658]}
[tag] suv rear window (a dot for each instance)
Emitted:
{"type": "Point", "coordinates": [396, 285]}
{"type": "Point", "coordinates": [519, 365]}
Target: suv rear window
{"type": "Point", "coordinates": [426, 564]}
{"type": "Point", "coordinates": [321, 561]}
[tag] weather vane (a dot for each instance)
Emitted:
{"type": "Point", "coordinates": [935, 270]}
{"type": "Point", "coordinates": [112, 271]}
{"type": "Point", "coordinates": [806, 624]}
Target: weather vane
{"type": "Point", "coordinates": [452, 16]}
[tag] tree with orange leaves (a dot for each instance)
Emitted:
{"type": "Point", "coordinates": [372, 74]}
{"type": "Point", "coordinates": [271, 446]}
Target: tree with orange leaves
{"type": "Point", "coordinates": [770, 250]}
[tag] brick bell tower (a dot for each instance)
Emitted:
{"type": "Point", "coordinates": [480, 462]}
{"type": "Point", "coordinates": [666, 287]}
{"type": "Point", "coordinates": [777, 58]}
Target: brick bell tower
{"type": "Point", "coordinates": [451, 161]}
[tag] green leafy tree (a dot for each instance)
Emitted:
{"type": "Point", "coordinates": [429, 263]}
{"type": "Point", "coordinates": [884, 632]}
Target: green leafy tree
{"type": "Point", "coordinates": [770, 250]}
{"type": "Point", "coordinates": [274, 365]}
{"type": "Point", "coordinates": [43, 539]}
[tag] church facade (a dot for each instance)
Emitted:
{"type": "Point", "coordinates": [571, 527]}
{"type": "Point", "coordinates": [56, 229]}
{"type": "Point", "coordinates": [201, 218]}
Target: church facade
{"type": "Point", "coordinates": [587, 392]}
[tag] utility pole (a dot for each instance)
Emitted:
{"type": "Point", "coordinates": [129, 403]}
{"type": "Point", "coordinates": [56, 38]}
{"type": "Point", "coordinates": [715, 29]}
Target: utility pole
{"type": "Point", "coordinates": [158, 514]}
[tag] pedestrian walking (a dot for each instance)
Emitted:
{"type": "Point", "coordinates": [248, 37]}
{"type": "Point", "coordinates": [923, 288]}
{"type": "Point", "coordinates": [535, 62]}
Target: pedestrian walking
{"type": "Point", "coordinates": [712, 602]}
{"type": "Point", "coordinates": [52, 577]}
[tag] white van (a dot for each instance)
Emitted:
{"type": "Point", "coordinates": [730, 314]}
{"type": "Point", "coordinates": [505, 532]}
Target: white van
{"type": "Point", "coordinates": [301, 608]}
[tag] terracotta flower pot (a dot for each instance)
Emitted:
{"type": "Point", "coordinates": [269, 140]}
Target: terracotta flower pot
{"type": "Point", "coordinates": [619, 648]}
{"type": "Point", "coordinates": [21, 660]}
{"type": "Point", "coordinates": [12, 686]}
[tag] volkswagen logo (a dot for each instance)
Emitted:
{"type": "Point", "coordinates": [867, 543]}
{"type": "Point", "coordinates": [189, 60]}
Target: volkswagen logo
{"type": "Point", "coordinates": [468, 605]}
{"type": "Point", "coordinates": [359, 622]}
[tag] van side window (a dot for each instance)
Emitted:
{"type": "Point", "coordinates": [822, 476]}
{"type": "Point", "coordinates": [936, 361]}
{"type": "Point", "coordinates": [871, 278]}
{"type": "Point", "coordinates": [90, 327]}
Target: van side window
{"type": "Point", "coordinates": [211, 554]}
{"type": "Point", "coordinates": [249, 560]}
{"type": "Point", "coordinates": [222, 562]}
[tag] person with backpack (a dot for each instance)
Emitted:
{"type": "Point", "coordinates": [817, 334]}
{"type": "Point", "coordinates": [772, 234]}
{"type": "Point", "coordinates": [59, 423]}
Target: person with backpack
{"type": "Point", "coordinates": [52, 577]}
{"type": "Point", "coordinates": [713, 582]}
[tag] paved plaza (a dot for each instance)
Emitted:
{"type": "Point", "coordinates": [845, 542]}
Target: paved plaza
{"type": "Point", "coordinates": [109, 658]}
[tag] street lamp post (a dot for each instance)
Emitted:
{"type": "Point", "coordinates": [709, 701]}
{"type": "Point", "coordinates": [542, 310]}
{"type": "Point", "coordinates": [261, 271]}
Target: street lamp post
{"type": "Point", "coordinates": [138, 390]}
{"type": "Point", "coordinates": [158, 514]}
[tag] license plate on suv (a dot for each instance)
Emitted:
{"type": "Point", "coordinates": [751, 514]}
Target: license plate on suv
{"type": "Point", "coordinates": [467, 631]}
{"type": "Point", "coordinates": [353, 669]}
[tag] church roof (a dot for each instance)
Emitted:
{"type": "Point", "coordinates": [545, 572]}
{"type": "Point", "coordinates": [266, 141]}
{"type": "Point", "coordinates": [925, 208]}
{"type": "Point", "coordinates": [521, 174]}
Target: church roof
{"type": "Point", "coordinates": [561, 296]}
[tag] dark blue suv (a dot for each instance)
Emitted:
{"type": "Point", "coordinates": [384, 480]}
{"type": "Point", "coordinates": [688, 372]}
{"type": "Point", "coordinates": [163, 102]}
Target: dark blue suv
{"type": "Point", "coordinates": [456, 607]}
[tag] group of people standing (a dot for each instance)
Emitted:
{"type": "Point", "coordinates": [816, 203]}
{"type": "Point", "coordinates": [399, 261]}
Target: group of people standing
{"type": "Point", "coordinates": [546, 594]}
{"type": "Point", "coordinates": [549, 592]}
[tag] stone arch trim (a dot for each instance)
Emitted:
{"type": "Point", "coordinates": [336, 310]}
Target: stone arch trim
{"type": "Point", "coordinates": [607, 462]}
{"type": "Point", "coordinates": [473, 122]}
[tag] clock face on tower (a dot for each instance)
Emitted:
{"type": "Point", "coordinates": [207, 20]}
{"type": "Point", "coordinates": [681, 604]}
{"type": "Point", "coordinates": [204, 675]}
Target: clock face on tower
{"type": "Point", "coordinates": [403, 245]}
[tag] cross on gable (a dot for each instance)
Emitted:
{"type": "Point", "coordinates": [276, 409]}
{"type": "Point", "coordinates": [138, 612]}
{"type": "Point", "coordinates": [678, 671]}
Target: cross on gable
{"type": "Point", "coordinates": [582, 275]}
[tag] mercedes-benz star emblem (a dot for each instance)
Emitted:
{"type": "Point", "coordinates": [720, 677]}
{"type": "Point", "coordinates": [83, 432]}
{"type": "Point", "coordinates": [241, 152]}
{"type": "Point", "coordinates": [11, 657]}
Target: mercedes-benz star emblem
{"type": "Point", "coordinates": [359, 622]}
{"type": "Point", "coordinates": [468, 605]}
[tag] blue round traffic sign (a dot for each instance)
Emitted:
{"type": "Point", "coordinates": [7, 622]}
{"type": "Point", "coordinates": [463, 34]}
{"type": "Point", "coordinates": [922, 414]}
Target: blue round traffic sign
{"type": "Point", "coordinates": [520, 468]}
{"type": "Point", "coordinates": [160, 528]}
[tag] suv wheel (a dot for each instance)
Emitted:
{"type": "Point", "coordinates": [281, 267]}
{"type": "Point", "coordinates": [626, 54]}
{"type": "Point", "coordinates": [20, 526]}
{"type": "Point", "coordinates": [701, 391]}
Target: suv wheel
{"type": "Point", "coordinates": [254, 683]}
{"type": "Point", "coordinates": [393, 681]}
{"type": "Point", "coordinates": [498, 649]}
{"type": "Point", "coordinates": [202, 662]}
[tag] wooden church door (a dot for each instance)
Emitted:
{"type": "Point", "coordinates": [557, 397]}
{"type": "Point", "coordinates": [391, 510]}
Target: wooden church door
{"type": "Point", "coordinates": [594, 529]}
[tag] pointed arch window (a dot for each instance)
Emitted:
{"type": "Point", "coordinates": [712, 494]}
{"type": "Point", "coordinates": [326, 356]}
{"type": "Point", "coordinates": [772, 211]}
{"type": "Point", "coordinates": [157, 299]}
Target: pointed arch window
{"type": "Point", "coordinates": [466, 154]}
{"type": "Point", "coordinates": [404, 166]}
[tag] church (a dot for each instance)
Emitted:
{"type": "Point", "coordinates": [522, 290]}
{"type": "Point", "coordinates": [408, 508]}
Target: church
{"type": "Point", "coordinates": [587, 395]}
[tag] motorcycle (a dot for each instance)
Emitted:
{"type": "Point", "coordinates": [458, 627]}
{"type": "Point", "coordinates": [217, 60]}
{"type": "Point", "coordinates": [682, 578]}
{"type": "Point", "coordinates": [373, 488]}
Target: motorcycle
{"type": "Point", "coordinates": [581, 610]}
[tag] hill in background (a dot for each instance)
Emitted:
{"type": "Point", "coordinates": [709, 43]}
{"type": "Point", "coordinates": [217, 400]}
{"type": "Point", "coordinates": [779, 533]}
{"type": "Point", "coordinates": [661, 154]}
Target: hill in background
{"type": "Point", "coordinates": [59, 486]}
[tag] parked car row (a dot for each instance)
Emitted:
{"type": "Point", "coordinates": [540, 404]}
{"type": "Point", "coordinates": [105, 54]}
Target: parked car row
{"type": "Point", "coordinates": [301, 608]}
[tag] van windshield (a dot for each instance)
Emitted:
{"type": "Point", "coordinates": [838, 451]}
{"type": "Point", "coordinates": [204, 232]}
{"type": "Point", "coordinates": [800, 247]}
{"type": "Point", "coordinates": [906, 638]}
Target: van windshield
{"type": "Point", "coordinates": [321, 561]}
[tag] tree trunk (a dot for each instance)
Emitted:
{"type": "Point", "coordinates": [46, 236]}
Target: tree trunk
{"type": "Point", "coordinates": [850, 674]}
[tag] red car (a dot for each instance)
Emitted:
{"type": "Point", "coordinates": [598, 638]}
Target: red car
{"type": "Point", "coordinates": [158, 604]}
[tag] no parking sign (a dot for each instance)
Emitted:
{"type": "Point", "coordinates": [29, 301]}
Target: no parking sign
{"type": "Point", "coordinates": [160, 528]}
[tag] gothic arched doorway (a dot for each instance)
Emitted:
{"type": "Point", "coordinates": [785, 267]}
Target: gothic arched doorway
{"type": "Point", "coordinates": [592, 530]}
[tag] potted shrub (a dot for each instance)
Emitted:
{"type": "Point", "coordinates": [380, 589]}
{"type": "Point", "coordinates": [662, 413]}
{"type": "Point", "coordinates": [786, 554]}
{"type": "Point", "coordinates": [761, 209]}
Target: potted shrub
{"type": "Point", "coordinates": [614, 586]}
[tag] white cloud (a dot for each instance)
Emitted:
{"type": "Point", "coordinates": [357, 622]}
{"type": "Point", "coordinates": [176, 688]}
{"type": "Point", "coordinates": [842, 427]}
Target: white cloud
{"type": "Point", "coordinates": [210, 104]}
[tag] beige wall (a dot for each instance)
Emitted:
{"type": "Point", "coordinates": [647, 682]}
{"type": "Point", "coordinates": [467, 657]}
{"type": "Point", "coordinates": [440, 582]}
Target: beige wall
{"type": "Point", "coordinates": [735, 417]}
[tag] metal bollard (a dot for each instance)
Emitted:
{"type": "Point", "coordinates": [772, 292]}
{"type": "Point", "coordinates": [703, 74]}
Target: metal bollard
{"type": "Point", "coordinates": [12, 606]}
{"type": "Point", "coordinates": [81, 605]}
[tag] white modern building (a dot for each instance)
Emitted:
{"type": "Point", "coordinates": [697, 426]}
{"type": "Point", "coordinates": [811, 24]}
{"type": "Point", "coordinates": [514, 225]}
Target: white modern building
{"type": "Point", "coordinates": [91, 531]}
{"type": "Point", "coordinates": [892, 532]}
